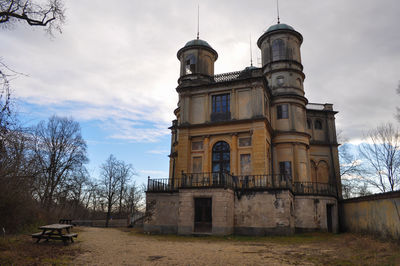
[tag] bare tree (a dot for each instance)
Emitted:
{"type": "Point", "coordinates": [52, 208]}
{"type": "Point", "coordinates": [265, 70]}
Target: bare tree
{"type": "Point", "coordinates": [48, 14]}
{"type": "Point", "coordinates": [110, 181]}
{"type": "Point", "coordinates": [133, 198]}
{"type": "Point", "coordinates": [381, 156]}
{"type": "Point", "coordinates": [59, 151]}
{"type": "Point", "coordinates": [398, 108]}
{"type": "Point", "coordinates": [126, 172]}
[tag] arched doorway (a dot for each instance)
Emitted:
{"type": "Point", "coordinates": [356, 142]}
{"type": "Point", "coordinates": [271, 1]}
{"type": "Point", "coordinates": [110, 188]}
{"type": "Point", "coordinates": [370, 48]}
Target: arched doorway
{"type": "Point", "coordinates": [221, 157]}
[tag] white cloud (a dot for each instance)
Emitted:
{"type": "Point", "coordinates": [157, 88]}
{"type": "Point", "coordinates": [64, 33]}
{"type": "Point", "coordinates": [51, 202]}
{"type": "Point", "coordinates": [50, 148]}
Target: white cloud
{"type": "Point", "coordinates": [117, 62]}
{"type": "Point", "coordinates": [158, 151]}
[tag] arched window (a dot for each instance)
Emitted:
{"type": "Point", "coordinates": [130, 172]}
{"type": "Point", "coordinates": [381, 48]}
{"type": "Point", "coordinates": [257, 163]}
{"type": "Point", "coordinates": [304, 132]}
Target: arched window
{"type": "Point", "coordinates": [278, 50]}
{"type": "Point", "coordinates": [318, 124]}
{"type": "Point", "coordinates": [221, 157]}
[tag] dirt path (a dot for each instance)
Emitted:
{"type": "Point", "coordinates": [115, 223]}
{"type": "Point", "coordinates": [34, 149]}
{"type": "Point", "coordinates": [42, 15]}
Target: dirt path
{"type": "Point", "coordinates": [115, 247]}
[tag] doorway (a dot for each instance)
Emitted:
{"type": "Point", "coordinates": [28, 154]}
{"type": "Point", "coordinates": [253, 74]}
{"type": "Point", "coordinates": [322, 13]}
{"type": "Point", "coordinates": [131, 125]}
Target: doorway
{"type": "Point", "coordinates": [202, 215]}
{"type": "Point", "coordinates": [329, 208]}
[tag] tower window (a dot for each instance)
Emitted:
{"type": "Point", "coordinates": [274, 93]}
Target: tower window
{"type": "Point", "coordinates": [283, 111]}
{"type": "Point", "coordinates": [318, 124]}
{"type": "Point", "coordinates": [278, 50]}
{"type": "Point", "coordinates": [190, 64]}
{"type": "Point", "coordinates": [285, 170]}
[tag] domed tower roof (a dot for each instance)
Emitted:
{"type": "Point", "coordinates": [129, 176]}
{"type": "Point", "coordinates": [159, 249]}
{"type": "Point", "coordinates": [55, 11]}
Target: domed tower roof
{"type": "Point", "coordinates": [276, 28]}
{"type": "Point", "coordinates": [197, 43]}
{"type": "Point", "coordinates": [280, 26]}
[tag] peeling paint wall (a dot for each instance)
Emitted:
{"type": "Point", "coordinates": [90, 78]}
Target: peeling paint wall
{"type": "Point", "coordinates": [262, 213]}
{"type": "Point", "coordinates": [376, 214]}
{"type": "Point", "coordinates": [222, 210]}
{"type": "Point", "coordinates": [311, 213]}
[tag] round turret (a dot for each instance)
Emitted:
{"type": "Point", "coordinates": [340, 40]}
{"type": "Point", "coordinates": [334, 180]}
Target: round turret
{"type": "Point", "coordinates": [197, 59]}
{"type": "Point", "coordinates": [280, 42]}
{"type": "Point", "coordinates": [281, 59]}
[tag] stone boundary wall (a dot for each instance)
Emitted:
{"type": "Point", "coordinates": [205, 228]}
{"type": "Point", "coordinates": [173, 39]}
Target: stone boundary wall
{"type": "Point", "coordinates": [377, 214]}
{"type": "Point", "coordinates": [102, 223]}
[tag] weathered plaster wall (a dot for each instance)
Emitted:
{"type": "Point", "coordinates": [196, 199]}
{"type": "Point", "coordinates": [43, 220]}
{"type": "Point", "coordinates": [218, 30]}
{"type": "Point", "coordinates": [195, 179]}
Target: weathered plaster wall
{"type": "Point", "coordinates": [311, 214]}
{"type": "Point", "coordinates": [222, 210]}
{"type": "Point", "coordinates": [264, 212]}
{"type": "Point", "coordinates": [376, 214]}
{"type": "Point", "coordinates": [164, 209]}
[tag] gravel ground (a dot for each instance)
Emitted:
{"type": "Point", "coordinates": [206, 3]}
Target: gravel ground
{"type": "Point", "coordinates": [101, 246]}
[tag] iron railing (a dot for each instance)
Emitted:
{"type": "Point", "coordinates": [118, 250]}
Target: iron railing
{"type": "Point", "coordinates": [263, 181]}
{"type": "Point", "coordinates": [207, 179]}
{"type": "Point", "coordinates": [314, 188]}
{"type": "Point", "coordinates": [240, 182]}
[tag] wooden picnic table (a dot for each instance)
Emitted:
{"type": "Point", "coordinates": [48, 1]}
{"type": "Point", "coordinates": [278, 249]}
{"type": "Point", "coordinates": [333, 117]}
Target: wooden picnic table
{"type": "Point", "coordinates": [55, 232]}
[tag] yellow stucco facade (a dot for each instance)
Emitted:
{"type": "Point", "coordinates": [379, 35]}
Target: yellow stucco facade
{"type": "Point", "coordinates": [267, 122]}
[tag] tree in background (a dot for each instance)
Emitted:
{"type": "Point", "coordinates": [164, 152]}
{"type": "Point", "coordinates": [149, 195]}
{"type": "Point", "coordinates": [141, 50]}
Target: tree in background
{"type": "Point", "coordinates": [48, 14]}
{"type": "Point", "coordinates": [110, 182]}
{"type": "Point", "coordinates": [59, 151]}
{"type": "Point", "coordinates": [381, 158]}
{"type": "Point", "coordinates": [398, 108]}
{"type": "Point", "coordinates": [351, 172]}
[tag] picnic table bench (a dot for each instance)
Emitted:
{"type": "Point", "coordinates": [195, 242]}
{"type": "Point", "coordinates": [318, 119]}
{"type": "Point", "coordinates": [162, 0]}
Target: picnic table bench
{"type": "Point", "coordinates": [55, 232]}
{"type": "Point", "coordinates": [65, 221]}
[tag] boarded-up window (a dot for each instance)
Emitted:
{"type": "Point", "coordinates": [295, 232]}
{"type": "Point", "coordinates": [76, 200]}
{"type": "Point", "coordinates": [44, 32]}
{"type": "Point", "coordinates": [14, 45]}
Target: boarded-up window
{"type": "Point", "coordinates": [243, 142]}
{"type": "Point", "coordinates": [245, 164]}
{"type": "Point", "coordinates": [278, 50]}
{"type": "Point", "coordinates": [197, 145]}
{"type": "Point", "coordinates": [197, 165]}
{"type": "Point", "coordinates": [322, 172]}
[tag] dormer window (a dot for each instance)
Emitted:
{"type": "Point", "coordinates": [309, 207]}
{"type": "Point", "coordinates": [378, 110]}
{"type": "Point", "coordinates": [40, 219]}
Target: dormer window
{"type": "Point", "coordinates": [190, 64]}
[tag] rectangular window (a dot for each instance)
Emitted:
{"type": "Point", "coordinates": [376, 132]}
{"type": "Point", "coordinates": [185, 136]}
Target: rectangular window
{"type": "Point", "coordinates": [283, 111]}
{"type": "Point", "coordinates": [285, 170]}
{"type": "Point", "coordinates": [197, 145]}
{"type": "Point", "coordinates": [197, 166]}
{"type": "Point", "coordinates": [221, 103]}
{"type": "Point", "coordinates": [245, 164]}
{"type": "Point", "coordinates": [243, 142]}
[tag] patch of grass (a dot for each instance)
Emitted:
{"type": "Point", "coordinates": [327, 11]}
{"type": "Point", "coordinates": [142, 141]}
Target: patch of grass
{"type": "Point", "coordinates": [285, 240]}
{"type": "Point", "coordinates": [22, 250]}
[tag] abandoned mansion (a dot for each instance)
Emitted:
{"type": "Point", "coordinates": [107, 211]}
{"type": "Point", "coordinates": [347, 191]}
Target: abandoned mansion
{"type": "Point", "coordinates": [249, 154]}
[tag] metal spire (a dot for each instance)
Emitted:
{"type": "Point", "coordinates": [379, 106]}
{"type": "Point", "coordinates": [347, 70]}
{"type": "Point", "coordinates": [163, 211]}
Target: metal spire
{"type": "Point", "coordinates": [198, 21]}
{"type": "Point", "coordinates": [251, 54]}
{"type": "Point", "coordinates": [277, 9]}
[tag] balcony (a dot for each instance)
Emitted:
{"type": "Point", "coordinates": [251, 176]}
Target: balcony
{"type": "Point", "coordinates": [240, 183]}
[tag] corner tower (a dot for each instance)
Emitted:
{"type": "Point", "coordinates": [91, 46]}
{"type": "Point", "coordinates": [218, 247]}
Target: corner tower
{"type": "Point", "coordinates": [197, 59]}
{"type": "Point", "coordinates": [282, 68]}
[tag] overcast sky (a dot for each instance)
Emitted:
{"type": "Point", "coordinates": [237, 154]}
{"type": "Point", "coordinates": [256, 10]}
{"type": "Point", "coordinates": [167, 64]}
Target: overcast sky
{"type": "Point", "coordinates": [114, 67]}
